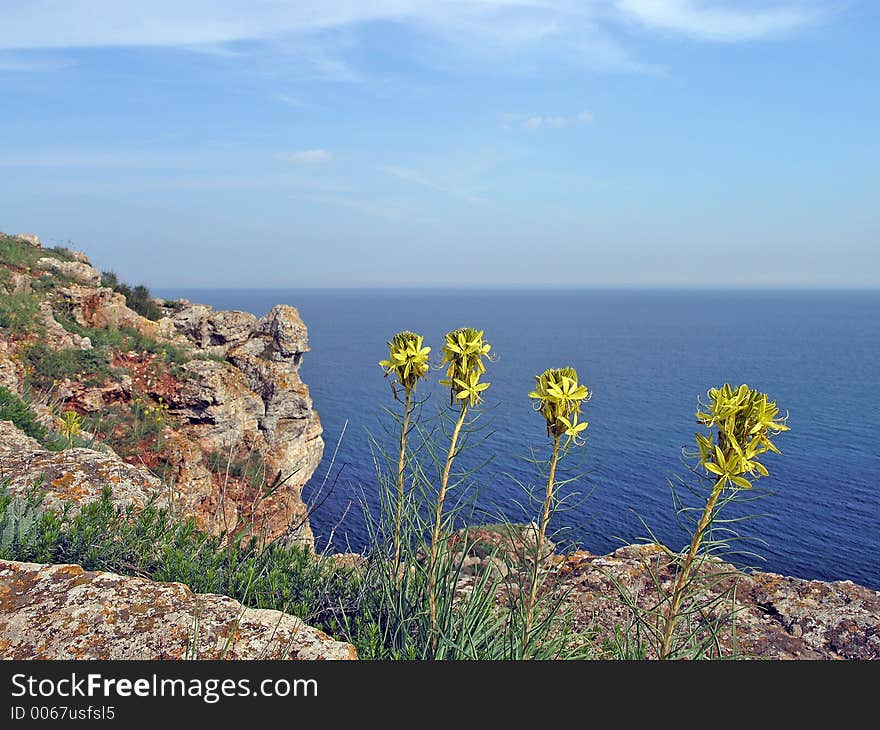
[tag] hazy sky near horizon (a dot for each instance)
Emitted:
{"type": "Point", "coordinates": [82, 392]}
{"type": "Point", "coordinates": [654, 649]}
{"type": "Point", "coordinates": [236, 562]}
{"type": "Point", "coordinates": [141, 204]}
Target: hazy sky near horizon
{"type": "Point", "coordinates": [435, 142]}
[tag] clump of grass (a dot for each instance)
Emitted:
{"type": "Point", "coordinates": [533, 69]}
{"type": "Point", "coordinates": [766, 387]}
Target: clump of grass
{"type": "Point", "coordinates": [125, 339]}
{"type": "Point", "coordinates": [18, 312]}
{"type": "Point", "coordinates": [137, 297]}
{"type": "Point", "coordinates": [45, 365]}
{"type": "Point", "coordinates": [21, 255]}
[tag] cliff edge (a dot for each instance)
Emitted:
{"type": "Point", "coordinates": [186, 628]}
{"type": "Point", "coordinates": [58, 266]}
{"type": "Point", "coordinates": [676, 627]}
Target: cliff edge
{"type": "Point", "coordinates": [202, 410]}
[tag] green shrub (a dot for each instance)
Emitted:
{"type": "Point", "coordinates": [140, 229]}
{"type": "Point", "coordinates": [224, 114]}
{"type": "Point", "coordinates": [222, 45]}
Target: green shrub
{"type": "Point", "coordinates": [137, 297]}
{"type": "Point", "coordinates": [13, 408]}
{"type": "Point", "coordinates": [150, 543]}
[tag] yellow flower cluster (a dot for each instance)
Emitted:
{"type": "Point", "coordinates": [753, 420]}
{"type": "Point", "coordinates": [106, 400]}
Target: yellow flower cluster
{"type": "Point", "coordinates": [146, 411]}
{"type": "Point", "coordinates": [70, 426]}
{"type": "Point", "coordinates": [463, 353]}
{"type": "Point", "coordinates": [560, 397]}
{"type": "Point", "coordinates": [745, 419]}
{"type": "Point", "coordinates": [407, 359]}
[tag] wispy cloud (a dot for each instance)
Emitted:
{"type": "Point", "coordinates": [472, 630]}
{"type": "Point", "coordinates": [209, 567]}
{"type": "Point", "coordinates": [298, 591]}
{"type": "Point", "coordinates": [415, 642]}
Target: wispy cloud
{"type": "Point", "coordinates": [306, 157]}
{"type": "Point", "coordinates": [590, 32]}
{"type": "Point", "coordinates": [534, 122]}
{"type": "Point", "coordinates": [417, 178]}
{"type": "Point", "coordinates": [289, 100]}
{"type": "Point", "coordinates": [724, 21]}
{"type": "Point", "coordinates": [389, 210]}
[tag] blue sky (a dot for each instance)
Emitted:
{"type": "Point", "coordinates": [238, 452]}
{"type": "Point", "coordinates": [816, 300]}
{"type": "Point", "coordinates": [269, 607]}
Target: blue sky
{"type": "Point", "coordinates": [599, 143]}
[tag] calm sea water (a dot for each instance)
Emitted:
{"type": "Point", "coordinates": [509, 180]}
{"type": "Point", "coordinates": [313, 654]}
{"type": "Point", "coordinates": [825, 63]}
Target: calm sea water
{"type": "Point", "coordinates": [646, 356]}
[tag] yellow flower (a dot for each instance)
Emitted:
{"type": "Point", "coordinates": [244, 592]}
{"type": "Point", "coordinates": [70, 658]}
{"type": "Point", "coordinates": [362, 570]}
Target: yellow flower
{"type": "Point", "coordinates": [744, 419]}
{"type": "Point", "coordinates": [407, 359]}
{"type": "Point", "coordinates": [560, 397]}
{"type": "Point", "coordinates": [464, 351]}
{"type": "Point", "coordinates": [70, 426]}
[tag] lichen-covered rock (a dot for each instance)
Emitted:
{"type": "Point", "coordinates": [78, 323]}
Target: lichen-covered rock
{"type": "Point", "coordinates": [74, 475]}
{"type": "Point", "coordinates": [65, 612]}
{"type": "Point", "coordinates": [777, 617]}
{"type": "Point", "coordinates": [13, 440]}
{"type": "Point", "coordinates": [76, 270]}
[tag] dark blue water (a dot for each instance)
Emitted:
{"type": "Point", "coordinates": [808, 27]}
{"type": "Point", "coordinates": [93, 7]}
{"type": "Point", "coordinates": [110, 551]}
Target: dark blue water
{"type": "Point", "coordinates": [646, 356]}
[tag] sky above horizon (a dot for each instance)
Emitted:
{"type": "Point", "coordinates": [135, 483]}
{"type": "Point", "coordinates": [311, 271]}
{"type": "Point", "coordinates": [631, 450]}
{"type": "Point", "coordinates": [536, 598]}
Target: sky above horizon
{"type": "Point", "coordinates": [602, 143]}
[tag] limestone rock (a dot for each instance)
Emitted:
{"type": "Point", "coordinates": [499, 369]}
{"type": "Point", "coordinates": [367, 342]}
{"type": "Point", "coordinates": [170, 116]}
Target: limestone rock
{"type": "Point", "coordinates": [55, 336]}
{"type": "Point", "coordinates": [13, 440]}
{"type": "Point", "coordinates": [74, 475]}
{"type": "Point", "coordinates": [210, 330]}
{"type": "Point", "coordinates": [16, 283]}
{"type": "Point", "coordinates": [217, 396]}
{"type": "Point", "coordinates": [65, 612]}
{"type": "Point", "coordinates": [76, 270]}
{"type": "Point", "coordinates": [778, 617]}
{"type": "Point", "coordinates": [257, 402]}
{"type": "Point", "coordinates": [11, 371]}
{"type": "Point", "coordinates": [102, 307]}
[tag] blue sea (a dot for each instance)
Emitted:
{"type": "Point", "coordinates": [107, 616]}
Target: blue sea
{"type": "Point", "coordinates": [646, 356]}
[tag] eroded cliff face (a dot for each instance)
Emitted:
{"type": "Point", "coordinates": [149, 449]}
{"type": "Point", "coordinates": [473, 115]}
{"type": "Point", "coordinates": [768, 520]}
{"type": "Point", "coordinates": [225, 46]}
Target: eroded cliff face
{"type": "Point", "coordinates": [247, 402]}
{"type": "Point", "coordinates": [209, 405]}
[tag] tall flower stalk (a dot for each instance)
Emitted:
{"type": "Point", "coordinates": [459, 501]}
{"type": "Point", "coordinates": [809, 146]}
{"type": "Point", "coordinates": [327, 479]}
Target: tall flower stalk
{"type": "Point", "coordinates": [407, 363]}
{"type": "Point", "coordinates": [743, 420]}
{"type": "Point", "coordinates": [560, 398]}
{"type": "Point", "coordinates": [464, 351]}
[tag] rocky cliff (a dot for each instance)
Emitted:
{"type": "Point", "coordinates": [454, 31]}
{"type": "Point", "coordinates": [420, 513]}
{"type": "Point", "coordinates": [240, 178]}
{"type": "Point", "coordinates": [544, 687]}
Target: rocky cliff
{"type": "Point", "coordinates": [207, 405]}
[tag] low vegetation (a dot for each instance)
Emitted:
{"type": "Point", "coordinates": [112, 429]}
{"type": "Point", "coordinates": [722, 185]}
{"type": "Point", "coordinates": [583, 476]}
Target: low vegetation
{"type": "Point", "coordinates": [137, 297]}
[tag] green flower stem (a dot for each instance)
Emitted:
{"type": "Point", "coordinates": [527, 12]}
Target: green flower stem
{"type": "Point", "coordinates": [438, 519]}
{"type": "Point", "coordinates": [540, 541]}
{"type": "Point", "coordinates": [398, 514]}
{"type": "Point", "coordinates": [684, 573]}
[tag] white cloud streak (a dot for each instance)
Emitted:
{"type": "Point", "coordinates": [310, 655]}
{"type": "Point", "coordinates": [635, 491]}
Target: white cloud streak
{"type": "Point", "coordinates": [589, 32]}
{"type": "Point", "coordinates": [535, 122]}
{"type": "Point", "coordinates": [306, 157]}
{"type": "Point", "coordinates": [417, 178]}
{"type": "Point", "coordinates": [723, 21]}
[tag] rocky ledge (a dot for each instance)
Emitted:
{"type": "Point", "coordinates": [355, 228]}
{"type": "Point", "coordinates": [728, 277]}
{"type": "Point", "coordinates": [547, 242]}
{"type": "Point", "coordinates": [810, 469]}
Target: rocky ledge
{"type": "Point", "coordinates": [777, 617]}
{"type": "Point", "coordinates": [65, 612]}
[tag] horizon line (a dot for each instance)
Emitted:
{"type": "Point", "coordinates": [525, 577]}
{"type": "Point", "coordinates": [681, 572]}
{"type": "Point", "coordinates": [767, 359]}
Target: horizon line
{"type": "Point", "coordinates": [530, 287]}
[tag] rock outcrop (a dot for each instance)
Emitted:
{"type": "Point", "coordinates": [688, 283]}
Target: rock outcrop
{"type": "Point", "coordinates": [65, 612]}
{"type": "Point", "coordinates": [777, 617]}
{"type": "Point", "coordinates": [80, 272]}
{"type": "Point", "coordinates": [31, 239]}
{"type": "Point", "coordinates": [75, 476]}
{"type": "Point", "coordinates": [253, 397]}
